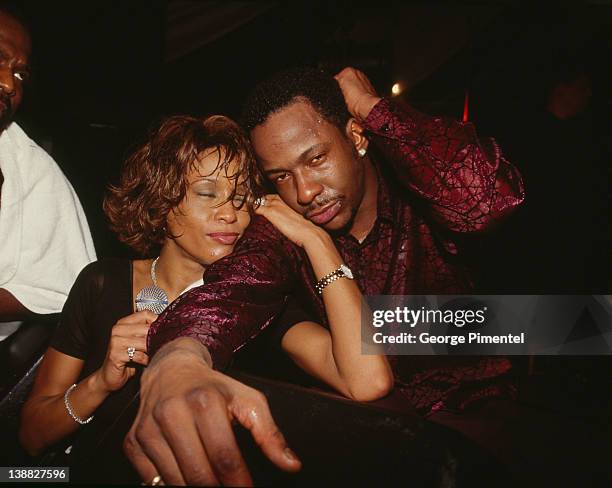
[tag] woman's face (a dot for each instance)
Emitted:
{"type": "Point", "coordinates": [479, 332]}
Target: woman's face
{"type": "Point", "coordinates": [206, 223]}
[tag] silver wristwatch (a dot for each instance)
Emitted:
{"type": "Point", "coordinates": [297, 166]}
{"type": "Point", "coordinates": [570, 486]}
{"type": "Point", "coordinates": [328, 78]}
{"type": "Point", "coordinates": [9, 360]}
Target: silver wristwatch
{"type": "Point", "coordinates": [342, 272]}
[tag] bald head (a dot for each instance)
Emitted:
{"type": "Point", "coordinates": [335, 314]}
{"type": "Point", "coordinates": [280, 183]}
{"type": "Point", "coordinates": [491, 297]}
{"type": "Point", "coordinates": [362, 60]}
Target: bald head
{"type": "Point", "coordinates": [15, 50]}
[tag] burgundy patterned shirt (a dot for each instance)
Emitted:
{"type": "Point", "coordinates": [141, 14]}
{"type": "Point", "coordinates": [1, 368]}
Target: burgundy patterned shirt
{"type": "Point", "coordinates": [436, 181]}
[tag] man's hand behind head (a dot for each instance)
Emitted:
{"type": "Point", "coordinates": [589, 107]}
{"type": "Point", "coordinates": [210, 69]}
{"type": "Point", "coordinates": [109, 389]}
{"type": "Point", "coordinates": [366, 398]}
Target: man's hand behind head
{"type": "Point", "coordinates": [183, 429]}
{"type": "Point", "coordinates": [359, 94]}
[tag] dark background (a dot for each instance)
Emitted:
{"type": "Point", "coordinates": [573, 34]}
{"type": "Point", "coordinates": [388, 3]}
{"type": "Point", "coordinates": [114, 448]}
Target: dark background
{"type": "Point", "coordinates": [106, 71]}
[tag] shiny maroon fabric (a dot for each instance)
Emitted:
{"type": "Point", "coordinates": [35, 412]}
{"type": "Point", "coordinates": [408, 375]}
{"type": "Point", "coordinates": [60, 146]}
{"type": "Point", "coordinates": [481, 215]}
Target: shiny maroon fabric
{"type": "Point", "coordinates": [447, 182]}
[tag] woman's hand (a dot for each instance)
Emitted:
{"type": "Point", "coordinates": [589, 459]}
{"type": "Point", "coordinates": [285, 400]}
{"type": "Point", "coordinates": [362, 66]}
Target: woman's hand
{"type": "Point", "coordinates": [129, 331]}
{"type": "Point", "coordinates": [294, 226]}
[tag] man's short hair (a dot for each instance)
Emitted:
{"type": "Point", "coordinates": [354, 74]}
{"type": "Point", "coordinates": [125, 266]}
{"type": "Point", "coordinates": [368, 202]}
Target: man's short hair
{"type": "Point", "coordinates": [286, 87]}
{"type": "Point", "coordinates": [15, 10]}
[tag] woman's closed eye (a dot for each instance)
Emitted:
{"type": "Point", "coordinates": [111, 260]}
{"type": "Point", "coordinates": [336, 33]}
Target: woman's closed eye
{"type": "Point", "coordinates": [239, 200]}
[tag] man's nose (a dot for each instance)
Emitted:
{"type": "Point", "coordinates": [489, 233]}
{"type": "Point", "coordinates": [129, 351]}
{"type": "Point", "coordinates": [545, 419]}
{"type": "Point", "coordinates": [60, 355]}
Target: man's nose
{"type": "Point", "coordinates": [306, 189]}
{"type": "Point", "coordinates": [7, 81]}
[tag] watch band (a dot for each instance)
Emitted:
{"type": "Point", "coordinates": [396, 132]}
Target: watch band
{"type": "Point", "coordinates": [342, 272]}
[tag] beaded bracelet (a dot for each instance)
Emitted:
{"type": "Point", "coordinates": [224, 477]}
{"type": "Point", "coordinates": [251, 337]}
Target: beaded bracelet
{"type": "Point", "coordinates": [74, 416]}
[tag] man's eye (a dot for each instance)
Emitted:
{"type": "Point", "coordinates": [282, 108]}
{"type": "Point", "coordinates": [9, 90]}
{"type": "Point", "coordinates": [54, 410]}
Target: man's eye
{"type": "Point", "coordinates": [318, 159]}
{"type": "Point", "coordinates": [21, 76]}
{"type": "Point", "coordinates": [209, 195]}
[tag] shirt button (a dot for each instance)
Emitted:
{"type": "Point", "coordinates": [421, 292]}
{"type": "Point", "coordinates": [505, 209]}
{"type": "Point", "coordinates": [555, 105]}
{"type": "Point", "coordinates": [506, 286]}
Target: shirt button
{"type": "Point", "coordinates": [385, 127]}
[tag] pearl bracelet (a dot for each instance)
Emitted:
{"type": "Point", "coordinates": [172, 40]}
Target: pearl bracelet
{"type": "Point", "coordinates": [74, 416]}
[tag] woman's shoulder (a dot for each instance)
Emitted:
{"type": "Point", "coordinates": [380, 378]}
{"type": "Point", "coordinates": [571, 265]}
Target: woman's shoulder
{"type": "Point", "coordinates": [106, 265]}
{"type": "Point", "coordinates": [104, 272]}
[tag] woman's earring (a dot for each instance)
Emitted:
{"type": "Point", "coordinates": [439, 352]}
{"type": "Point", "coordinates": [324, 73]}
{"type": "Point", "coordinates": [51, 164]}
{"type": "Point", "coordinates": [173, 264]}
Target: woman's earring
{"type": "Point", "coordinates": [362, 152]}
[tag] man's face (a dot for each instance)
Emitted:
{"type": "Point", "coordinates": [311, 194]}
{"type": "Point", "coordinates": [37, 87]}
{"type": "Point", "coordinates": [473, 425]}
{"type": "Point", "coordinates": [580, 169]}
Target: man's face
{"type": "Point", "coordinates": [312, 163]}
{"type": "Point", "coordinates": [15, 48]}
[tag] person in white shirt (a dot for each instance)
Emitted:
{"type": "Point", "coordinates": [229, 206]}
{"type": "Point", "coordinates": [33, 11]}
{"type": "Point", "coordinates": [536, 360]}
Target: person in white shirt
{"type": "Point", "coordinates": [44, 236]}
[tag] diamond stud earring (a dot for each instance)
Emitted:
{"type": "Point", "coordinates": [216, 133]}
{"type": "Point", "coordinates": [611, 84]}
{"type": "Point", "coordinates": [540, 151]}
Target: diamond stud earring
{"type": "Point", "coordinates": [362, 152]}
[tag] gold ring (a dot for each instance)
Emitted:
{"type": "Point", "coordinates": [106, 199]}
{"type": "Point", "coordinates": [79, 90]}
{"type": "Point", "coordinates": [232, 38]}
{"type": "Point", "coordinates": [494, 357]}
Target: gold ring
{"type": "Point", "coordinates": [156, 481]}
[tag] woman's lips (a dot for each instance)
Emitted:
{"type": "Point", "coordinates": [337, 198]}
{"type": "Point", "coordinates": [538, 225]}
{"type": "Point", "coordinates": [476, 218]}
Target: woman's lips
{"type": "Point", "coordinates": [227, 238]}
{"type": "Point", "coordinates": [327, 214]}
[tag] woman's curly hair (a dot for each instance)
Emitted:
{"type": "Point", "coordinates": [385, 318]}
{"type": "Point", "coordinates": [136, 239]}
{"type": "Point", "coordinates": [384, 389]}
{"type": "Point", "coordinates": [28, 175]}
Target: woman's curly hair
{"type": "Point", "coordinates": [153, 180]}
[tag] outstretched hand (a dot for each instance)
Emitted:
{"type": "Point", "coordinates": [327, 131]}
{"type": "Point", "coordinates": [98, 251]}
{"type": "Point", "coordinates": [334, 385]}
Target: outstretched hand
{"type": "Point", "coordinates": [359, 94]}
{"type": "Point", "coordinates": [183, 430]}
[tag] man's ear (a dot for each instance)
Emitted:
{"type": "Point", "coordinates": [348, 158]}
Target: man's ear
{"type": "Point", "coordinates": [356, 134]}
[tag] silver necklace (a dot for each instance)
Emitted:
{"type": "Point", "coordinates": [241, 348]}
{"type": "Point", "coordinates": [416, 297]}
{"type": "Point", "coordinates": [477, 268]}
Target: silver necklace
{"type": "Point", "coordinates": [152, 297]}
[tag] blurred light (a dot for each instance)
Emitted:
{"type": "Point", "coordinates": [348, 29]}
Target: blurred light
{"type": "Point", "coordinates": [396, 89]}
{"type": "Point", "coordinates": [466, 107]}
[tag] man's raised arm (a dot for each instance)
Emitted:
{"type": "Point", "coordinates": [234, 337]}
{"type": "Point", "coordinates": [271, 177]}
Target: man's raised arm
{"type": "Point", "coordinates": [467, 182]}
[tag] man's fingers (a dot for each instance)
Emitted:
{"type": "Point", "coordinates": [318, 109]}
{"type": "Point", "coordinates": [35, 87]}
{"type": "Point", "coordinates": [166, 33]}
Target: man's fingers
{"type": "Point", "coordinates": [178, 423]}
{"type": "Point", "coordinates": [215, 429]}
{"type": "Point", "coordinates": [343, 73]}
{"type": "Point", "coordinates": [155, 447]}
{"type": "Point", "coordinates": [258, 419]}
{"type": "Point", "coordinates": [142, 464]}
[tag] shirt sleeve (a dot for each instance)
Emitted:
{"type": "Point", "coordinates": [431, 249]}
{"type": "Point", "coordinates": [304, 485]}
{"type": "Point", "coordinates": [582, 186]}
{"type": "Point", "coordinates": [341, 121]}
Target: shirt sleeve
{"type": "Point", "coordinates": [293, 313]}
{"type": "Point", "coordinates": [49, 230]}
{"type": "Point", "coordinates": [73, 335]}
{"type": "Point", "coordinates": [467, 182]}
{"type": "Point", "coordinates": [241, 295]}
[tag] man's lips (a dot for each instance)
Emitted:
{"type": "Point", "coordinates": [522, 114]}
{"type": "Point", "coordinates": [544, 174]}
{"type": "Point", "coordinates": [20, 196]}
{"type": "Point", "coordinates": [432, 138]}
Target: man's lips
{"type": "Point", "coordinates": [227, 238]}
{"type": "Point", "coordinates": [325, 214]}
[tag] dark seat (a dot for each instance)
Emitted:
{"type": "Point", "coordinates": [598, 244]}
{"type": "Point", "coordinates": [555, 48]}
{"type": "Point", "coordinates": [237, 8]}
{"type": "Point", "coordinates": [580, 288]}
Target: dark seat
{"type": "Point", "coordinates": [20, 355]}
{"type": "Point", "coordinates": [21, 350]}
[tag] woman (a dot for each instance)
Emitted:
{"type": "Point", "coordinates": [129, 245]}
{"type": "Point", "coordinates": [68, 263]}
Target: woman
{"type": "Point", "coordinates": [180, 202]}
{"type": "Point", "coordinates": [182, 198]}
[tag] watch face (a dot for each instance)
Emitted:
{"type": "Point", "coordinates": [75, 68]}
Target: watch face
{"type": "Point", "coordinates": [347, 271]}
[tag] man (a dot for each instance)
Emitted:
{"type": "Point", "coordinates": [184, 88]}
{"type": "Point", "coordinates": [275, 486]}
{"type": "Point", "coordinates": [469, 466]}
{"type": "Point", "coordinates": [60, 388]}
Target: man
{"type": "Point", "coordinates": [44, 237]}
{"type": "Point", "coordinates": [316, 154]}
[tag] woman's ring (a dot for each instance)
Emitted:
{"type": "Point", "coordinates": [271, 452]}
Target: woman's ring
{"type": "Point", "coordinates": [261, 201]}
{"type": "Point", "coordinates": [131, 350]}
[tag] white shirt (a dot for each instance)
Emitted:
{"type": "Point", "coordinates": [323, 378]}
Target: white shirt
{"type": "Point", "coordinates": [44, 236]}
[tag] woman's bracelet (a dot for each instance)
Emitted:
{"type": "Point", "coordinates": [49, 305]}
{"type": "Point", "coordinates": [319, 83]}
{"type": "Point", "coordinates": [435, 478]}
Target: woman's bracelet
{"type": "Point", "coordinates": [74, 416]}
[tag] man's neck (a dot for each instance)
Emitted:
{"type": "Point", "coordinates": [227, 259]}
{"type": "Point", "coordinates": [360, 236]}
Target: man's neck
{"type": "Point", "coordinates": [367, 212]}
